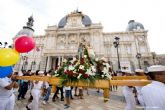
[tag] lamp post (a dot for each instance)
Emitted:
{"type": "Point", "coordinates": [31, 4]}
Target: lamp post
{"type": "Point", "coordinates": [138, 56]}
{"type": "Point", "coordinates": [116, 45]}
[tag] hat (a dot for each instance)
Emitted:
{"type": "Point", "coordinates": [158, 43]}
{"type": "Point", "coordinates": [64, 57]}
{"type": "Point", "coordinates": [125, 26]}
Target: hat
{"type": "Point", "coordinates": [40, 72]}
{"type": "Point", "coordinates": [126, 71]}
{"type": "Point", "coordinates": [156, 68]}
{"type": "Point", "coordinates": [139, 71]}
{"type": "Point", "coordinates": [33, 71]}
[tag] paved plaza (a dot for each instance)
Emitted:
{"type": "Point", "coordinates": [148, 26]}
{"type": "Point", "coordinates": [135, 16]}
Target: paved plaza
{"type": "Point", "coordinates": [93, 101]}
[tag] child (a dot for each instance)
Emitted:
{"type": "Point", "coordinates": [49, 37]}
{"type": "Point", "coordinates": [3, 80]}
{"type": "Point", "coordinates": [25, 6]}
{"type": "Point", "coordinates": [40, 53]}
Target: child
{"type": "Point", "coordinates": [67, 96]}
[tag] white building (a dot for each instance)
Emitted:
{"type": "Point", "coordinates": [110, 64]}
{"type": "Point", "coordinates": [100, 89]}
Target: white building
{"type": "Point", "coordinates": [62, 41]}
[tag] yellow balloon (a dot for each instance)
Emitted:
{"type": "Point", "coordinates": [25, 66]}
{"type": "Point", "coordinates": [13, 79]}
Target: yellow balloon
{"type": "Point", "coordinates": [8, 57]}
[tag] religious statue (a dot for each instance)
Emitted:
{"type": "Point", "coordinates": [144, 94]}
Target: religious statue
{"type": "Point", "coordinates": [84, 45]}
{"type": "Point", "coordinates": [30, 21]}
{"type": "Point", "coordinates": [80, 51]}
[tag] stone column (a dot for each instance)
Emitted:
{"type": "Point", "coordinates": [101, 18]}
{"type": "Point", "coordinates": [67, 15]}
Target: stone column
{"type": "Point", "coordinates": [59, 60]}
{"type": "Point", "coordinates": [62, 59]}
{"type": "Point", "coordinates": [48, 63]}
{"type": "Point", "coordinates": [66, 45]}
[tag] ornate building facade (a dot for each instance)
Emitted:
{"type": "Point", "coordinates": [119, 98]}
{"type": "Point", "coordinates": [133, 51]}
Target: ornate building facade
{"type": "Point", "coordinates": [62, 41]}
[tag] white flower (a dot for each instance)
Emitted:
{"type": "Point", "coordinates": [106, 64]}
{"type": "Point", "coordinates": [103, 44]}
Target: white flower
{"type": "Point", "coordinates": [97, 59]}
{"type": "Point", "coordinates": [102, 76]}
{"type": "Point", "coordinates": [81, 67]}
{"type": "Point", "coordinates": [55, 72]}
{"type": "Point", "coordinates": [56, 75]}
{"type": "Point", "coordinates": [107, 65]}
{"type": "Point", "coordinates": [109, 76]}
{"type": "Point", "coordinates": [105, 70]}
{"type": "Point", "coordinates": [85, 56]}
{"type": "Point", "coordinates": [70, 67]}
{"type": "Point", "coordinates": [89, 71]}
{"type": "Point", "coordinates": [75, 71]}
{"type": "Point", "coordinates": [74, 59]}
{"type": "Point", "coordinates": [79, 76]}
{"type": "Point", "coordinates": [106, 73]}
{"type": "Point", "coordinates": [64, 60]}
{"type": "Point", "coordinates": [93, 68]}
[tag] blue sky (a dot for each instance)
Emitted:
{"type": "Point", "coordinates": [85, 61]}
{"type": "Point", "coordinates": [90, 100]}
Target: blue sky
{"type": "Point", "coordinates": [113, 14]}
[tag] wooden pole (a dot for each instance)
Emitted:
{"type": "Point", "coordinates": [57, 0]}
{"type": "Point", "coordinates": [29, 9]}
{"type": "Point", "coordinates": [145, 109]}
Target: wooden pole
{"type": "Point", "coordinates": [103, 84]}
{"type": "Point", "coordinates": [53, 88]}
{"type": "Point", "coordinates": [106, 94]}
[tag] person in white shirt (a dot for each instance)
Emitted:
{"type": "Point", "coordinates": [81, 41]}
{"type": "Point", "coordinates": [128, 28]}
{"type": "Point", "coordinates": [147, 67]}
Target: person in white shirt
{"type": "Point", "coordinates": [36, 92]}
{"type": "Point", "coordinates": [128, 94]}
{"type": "Point", "coordinates": [140, 72]}
{"type": "Point", "coordinates": [154, 93]}
{"type": "Point", "coordinates": [7, 98]}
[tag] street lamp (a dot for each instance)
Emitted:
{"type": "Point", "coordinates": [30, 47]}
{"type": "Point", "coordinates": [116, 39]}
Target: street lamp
{"type": "Point", "coordinates": [116, 45]}
{"type": "Point", "coordinates": [138, 56]}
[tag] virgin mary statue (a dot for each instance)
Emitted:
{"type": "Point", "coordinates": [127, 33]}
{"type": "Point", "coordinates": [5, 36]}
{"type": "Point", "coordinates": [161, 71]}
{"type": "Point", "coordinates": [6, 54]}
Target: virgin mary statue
{"type": "Point", "coordinates": [84, 45]}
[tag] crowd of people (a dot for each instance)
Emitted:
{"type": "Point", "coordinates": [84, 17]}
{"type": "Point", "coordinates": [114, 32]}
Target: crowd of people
{"type": "Point", "coordinates": [38, 90]}
{"type": "Point", "coordinates": [149, 97]}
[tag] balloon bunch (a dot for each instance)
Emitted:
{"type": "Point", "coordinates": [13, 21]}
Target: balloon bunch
{"type": "Point", "coordinates": [9, 57]}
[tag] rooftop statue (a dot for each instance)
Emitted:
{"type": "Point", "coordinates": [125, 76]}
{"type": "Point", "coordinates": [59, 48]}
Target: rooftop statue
{"type": "Point", "coordinates": [30, 22]}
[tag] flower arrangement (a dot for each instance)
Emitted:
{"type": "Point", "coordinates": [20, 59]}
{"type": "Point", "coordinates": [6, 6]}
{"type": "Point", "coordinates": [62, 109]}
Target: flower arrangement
{"type": "Point", "coordinates": [83, 68]}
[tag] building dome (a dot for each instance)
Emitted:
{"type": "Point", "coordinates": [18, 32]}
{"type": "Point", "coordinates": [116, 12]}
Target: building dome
{"type": "Point", "coordinates": [86, 21]}
{"type": "Point", "coordinates": [132, 25]}
{"type": "Point", "coordinates": [62, 22]}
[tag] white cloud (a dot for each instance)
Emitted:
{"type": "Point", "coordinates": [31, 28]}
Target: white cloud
{"type": "Point", "coordinates": [113, 14]}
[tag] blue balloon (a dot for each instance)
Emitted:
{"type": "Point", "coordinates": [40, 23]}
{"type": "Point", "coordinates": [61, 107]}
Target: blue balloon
{"type": "Point", "coordinates": [5, 71]}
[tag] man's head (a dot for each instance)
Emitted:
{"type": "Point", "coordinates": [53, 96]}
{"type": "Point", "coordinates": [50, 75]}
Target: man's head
{"type": "Point", "coordinates": [41, 73]}
{"type": "Point", "coordinates": [140, 72]}
{"type": "Point", "coordinates": [127, 73]}
{"type": "Point", "coordinates": [157, 73]}
{"type": "Point", "coordinates": [23, 72]}
{"type": "Point", "coordinates": [28, 72]}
